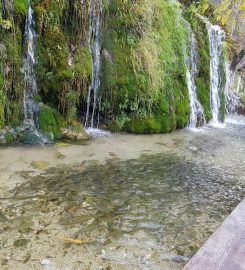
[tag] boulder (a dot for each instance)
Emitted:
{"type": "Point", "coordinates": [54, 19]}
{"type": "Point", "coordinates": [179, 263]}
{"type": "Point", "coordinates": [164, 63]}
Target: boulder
{"type": "Point", "coordinates": [72, 135]}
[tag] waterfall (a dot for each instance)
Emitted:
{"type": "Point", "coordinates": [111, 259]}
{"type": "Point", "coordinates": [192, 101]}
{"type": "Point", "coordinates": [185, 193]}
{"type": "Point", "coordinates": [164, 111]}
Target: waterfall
{"type": "Point", "coordinates": [197, 118]}
{"type": "Point", "coordinates": [216, 38]}
{"type": "Point", "coordinates": [30, 90]}
{"type": "Point", "coordinates": [231, 96]}
{"type": "Point", "coordinates": [93, 99]}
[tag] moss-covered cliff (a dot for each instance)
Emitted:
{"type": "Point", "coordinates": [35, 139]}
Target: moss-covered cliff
{"type": "Point", "coordinates": [143, 85]}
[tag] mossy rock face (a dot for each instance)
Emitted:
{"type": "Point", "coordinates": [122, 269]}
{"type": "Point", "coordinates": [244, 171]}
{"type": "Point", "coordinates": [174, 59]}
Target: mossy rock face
{"type": "Point", "coordinates": [143, 82]}
{"type": "Point", "coordinates": [28, 137]}
{"type": "Point", "coordinates": [21, 6]}
{"type": "Point", "coordinates": [2, 116]}
{"type": "Point", "coordinates": [203, 63]}
{"type": "Point", "coordinates": [9, 137]}
{"type": "Point", "coordinates": [49, 120]}
{"type": "Point", "coordinates": [151, 125]}
{"type": "Point", "coordinates": [223, 80]}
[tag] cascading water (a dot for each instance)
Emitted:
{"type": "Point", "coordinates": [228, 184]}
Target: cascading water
{"type": "Point", "coordinates": [216, 38]}
{"type": "Point", "coordinates": [197, 118]}
{"type": "Point", "coordinates": [30, 106]}
{"type": "Point", "coordinates": [93, 100]}
{"type": "Point", "coordinates": [231, 97]}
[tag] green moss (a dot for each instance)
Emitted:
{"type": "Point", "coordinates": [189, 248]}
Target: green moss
{"type": "Point", "coordinates": [204, 96]}
{"type": "Point", "coordinates": [151, 125]}
{"type": "Point", "coordinates": [222, 106]}
{"type": "Point", "coordinates": [9, 137]}
{"type": "Point", "coordinates": [21, 6]}
{"type": "Point", "coordinates": [2, 105]}
{"type": "Point", "coordinates": [143, 67]}
{"type": "Point", "coordinates": [144, 126]}
{"type": "Point", "coordinates": [14, 112]}
{"type": "Point", "coordinates": [50, 121]}
{"type": "Point", "coordinates": [11, 80]}
{"type": "Point", "coordinates": [83, 62]}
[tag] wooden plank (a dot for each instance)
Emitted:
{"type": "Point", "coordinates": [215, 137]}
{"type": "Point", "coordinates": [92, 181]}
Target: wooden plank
{"type": "Point", "coordinates": [225, 249]}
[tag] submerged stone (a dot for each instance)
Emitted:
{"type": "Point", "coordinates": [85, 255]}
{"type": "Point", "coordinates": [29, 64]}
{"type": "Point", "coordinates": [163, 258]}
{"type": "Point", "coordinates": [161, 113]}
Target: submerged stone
{"type": "Point", "coordinates": [180, 259]}
{"type": "Point", "coordinates": [39, 164]}
{"type": "Point", "coordinates": [22, 242]}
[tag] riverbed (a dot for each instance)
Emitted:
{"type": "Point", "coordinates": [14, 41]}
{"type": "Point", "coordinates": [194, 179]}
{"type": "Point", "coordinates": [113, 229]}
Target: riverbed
{"type": "Point", "coordinates": [123, 201]}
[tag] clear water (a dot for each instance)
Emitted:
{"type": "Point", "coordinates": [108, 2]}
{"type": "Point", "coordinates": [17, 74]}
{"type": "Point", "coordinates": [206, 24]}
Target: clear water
{"type": "Point", "coordinates": [137, 202]}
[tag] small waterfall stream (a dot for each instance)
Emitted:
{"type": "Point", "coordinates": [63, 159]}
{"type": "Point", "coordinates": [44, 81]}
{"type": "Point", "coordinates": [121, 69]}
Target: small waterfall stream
{"type": "Point", "coordinates": [216, 38]}
{"type": "Point", "coordinates": [197, 117]}
{"type": "Point", "coordinates": [93, 99]}
{"type": "Point", "coordinates": [231, 97]}
{"type": "Point", "coordinates": [30, 106]}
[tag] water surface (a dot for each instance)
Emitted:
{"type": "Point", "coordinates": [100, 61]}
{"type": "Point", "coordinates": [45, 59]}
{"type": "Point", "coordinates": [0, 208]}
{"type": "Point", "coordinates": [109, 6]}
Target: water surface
{"type": "Point", "coordinates": [136, 202]}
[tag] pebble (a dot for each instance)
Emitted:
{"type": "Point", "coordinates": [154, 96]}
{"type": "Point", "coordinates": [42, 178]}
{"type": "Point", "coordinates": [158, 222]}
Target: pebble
{"type": "Point", "coordinates": [45, 261]}
{"type": "Point", "coordinates": [180, 259]}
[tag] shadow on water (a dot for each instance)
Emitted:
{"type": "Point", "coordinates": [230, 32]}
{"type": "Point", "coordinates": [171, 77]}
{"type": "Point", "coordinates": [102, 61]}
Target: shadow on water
{"type": "Point", "coordinates": [148, 213]}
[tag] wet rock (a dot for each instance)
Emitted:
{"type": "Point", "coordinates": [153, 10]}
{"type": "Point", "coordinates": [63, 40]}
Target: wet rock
{"type": "Point", "coordinates": [193, 148]}
{"type": "Point", "coordinates": [28, 137]}
{"type": "Point", "coordinates": [71, 135]}
{"type": "Point", "coordinates": [180, 259]}
{"type": "Point", "coordinates": [106, 54]}
{"type": "Point", "coordinates": [7, 135]}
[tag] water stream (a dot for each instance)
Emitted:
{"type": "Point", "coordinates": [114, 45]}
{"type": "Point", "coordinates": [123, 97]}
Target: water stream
{"type": "Point", "coordinates": [231, 95]}
{"type": "Point", "coordinates": [197, 117]}
{"type": "Point", "coordinates": [93, 99]}
{"type": "Point", "coordinates": [29, 62]}
{"type": "Point", "coordinates": [216, 39]}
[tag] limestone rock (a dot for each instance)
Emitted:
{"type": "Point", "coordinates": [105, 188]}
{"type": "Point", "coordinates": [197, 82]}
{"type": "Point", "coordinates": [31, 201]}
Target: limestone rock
{"type": "Point", "coordinates": [71, 135]}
